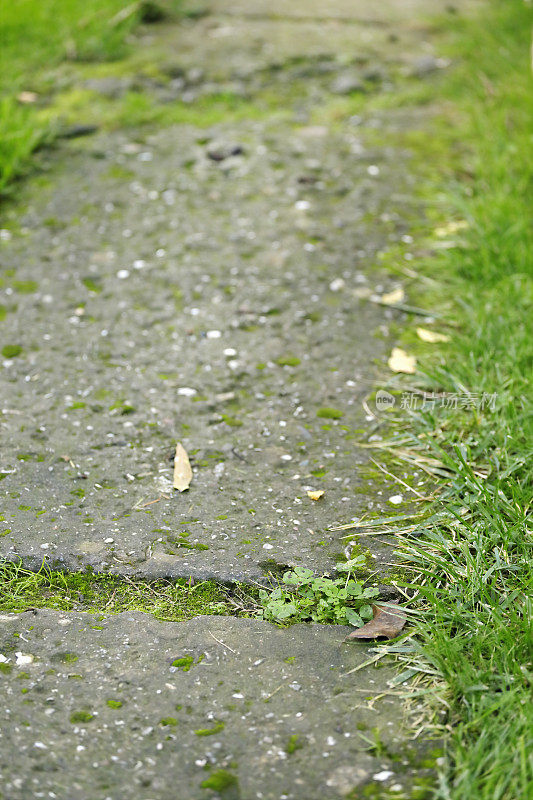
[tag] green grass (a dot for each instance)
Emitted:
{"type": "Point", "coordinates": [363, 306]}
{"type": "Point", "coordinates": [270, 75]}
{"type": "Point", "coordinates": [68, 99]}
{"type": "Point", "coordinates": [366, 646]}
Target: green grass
{"type": "Point", "coordinates": [37, 37]}
{"type": "Point", "coordinates": [94, 42]}
{"type": "Point", "coordinates": [471, 559]}
{"type": "Point", "coordinates": [21, 589]}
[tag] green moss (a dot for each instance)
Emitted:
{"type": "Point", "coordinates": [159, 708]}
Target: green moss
{"type": "Point", "coordinates": [329, 413]}
{"type": "Point", "coordinates": [233, 422]}
{"type": "Point", "coordinates": [114, 703]}
{"type": "Point", "coordinates": [81, 716]}
{"type": "Point", "coordinates": [219, 781]}
{"type": "Point", "coordinates": [169, 600]}
{"type": "Point", "coordinates": [288, 361]}
{"type": "Point", "coordinates": [168, 721]}
{"type": "Point", "coordinates": [294, 744]}
{"type": "Point", "coordinates": [92, 284]}
{"type": "Point", "coordinates": [118, 172]}
{"type": "Point", "coordinates": [64, 658]}
{"type": "Point", "coordinates": [217, 728]}
{"type": "Point", "coordinates": [25, 287]}
{"type": "Point", "coordinates": [184, 663]}
{"type": "Point", "coordinates": [181, 541]}
{"type": "Point", "coordinates": [11, 350]}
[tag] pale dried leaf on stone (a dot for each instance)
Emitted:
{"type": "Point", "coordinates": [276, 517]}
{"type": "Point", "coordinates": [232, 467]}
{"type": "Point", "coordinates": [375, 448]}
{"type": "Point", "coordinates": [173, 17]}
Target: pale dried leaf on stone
{"type": "Point", "coordinates": [388, 621]}
{"type": "Point", "coordinates": [182, 469]}
{"type": "Point", "coordinates": [400, 361]}
{"type": "Point", "coordinates": [394, 297]}
{"type": "Point", "coordinates": [431, 336]}
{"type": "Point", "coordinates": [362, 292]}
{"type": "Point", "coordinates": [316, 495]}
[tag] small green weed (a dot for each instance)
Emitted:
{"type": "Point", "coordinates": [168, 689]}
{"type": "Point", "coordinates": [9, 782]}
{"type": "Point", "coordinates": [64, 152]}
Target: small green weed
{"type": "Point", "coordinates": [303, 597]}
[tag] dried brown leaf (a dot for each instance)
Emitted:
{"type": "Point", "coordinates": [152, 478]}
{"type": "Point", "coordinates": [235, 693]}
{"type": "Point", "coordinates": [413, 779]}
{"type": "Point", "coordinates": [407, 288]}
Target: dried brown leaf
{"type": "Point", "coordinates": [182, 469]}
{"type": "Point", "coordinates": [388, 621]}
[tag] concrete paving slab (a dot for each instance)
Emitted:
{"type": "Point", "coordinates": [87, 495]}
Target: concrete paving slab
{"type": "Point", "coordinates": [205, 302]}
{"type": "Point", "coordinates": [128, 707]}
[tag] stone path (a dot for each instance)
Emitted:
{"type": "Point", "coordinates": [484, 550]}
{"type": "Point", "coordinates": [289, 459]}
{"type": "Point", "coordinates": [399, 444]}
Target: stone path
{"type": "Point", "coordinates": [205, 286]}
{"type": "Point", "coordinates": [102, 712]}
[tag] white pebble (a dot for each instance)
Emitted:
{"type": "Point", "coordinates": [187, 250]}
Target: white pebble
{"type": "Point", "coordinates": [123, 273]}
{"type": "Point", "coordinates": [169, 197]}
{"type": "Point", "coordinates": [396, 499]}
{"type": "Point", "coordinates": [23, 659]}
{"type": "Point", "coordinates": [383, 776]}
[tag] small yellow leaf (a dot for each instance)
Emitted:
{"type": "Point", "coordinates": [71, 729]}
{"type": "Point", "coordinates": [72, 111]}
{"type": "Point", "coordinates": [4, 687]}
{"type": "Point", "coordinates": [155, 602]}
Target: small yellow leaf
{"type": "Point", "coordinates": [451, 227]}
{"type": "Point", "coordinates": [431, 336]}
{"type": "Point", "coordinates": [394, 297]}
{"type": "Point", "coordinates": [400, 361]}
{"type": "Point", "coordinates": [182, 469]}
{"type": "Point", "coordinates": [316, 495]}
{"type": "Point", "coordinates": [27, 97]}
